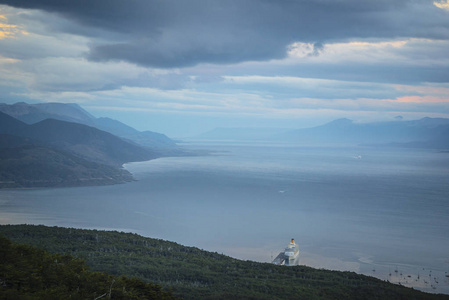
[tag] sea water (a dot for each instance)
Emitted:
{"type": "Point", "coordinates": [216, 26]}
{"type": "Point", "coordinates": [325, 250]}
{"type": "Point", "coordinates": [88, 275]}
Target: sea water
{"type": "Point", "coordinates": [382, 212]}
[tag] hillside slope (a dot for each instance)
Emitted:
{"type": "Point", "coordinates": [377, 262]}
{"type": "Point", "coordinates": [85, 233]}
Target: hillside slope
{"type": "Point", "coordinates": [196, 274]}
{"type": "Point", "coordinates": [30, 273]}
{"type": "Point", "coordinates": [86, 142]}
{"type": "Point", "coordinates": [54, 153]}
{"type": "Point", "coordinates": [24, 164]}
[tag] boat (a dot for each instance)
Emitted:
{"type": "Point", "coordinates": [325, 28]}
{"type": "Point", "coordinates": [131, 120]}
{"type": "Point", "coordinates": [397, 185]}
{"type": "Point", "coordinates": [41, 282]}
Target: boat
{"type": "Point", "coordinates": [291, 253]}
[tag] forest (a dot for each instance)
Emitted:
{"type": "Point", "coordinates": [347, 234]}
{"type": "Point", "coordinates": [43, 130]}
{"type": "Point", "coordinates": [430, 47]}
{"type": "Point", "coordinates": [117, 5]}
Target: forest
{"type": "Point", "coordinates": [62, 258]}
{"type": "Point", "coordinates": [30, 273]}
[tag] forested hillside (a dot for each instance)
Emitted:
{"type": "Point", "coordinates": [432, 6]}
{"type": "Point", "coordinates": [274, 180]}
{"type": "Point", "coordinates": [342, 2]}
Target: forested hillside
{"type": "Point", "coordinates": [29, 165]}
{"type": "Point", "coordinates": [196, 274]}
{"type": "Point", "coordinates": [55, 153]}
{"type": "Point", "coordinates": [30, 273]}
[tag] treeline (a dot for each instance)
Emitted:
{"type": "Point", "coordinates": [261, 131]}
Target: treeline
{"type": "Point", "coordinates": [30, 273]}
{"type": "Point", "coordinates": [196, 274]}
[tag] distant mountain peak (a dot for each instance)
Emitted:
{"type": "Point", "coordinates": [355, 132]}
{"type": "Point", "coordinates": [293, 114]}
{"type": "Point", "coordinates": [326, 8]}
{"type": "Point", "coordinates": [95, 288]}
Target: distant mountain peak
{"type": "Point", "coordinates": [340, 122]}
{"type": "Point", "coordinates": [430, 122]}
{"type": "Point", "coordinates": [71, 110]}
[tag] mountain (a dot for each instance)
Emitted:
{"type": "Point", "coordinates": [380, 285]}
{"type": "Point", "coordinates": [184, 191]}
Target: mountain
{"type": "Point", "coordinates": [192, 273]}
{"type": "Point", "coordinates": [34, 113]}
{"type": "Point", "coordinates": [12, 141]}
{"type": "Point", "coordinates": [10, 125]}
{"type": "Point", "coordinates": [89, 142]}
{"type": "Point", "coordinates": [23, 163]}
{"type": "Point", "coordinates": [429, 132]}
{"type": "Point", "coordinates": [86, 142]}
{"type": "Point", "coordinates": [422, 133]}
{"type": "Point", "coordinates": [145, 138]}
{"type": "Point", "coordinates": [58, 153]}
{"type": "Point", "coordinates": [73, 112]}
{"type": "Point", "coordinates": [61, 145]}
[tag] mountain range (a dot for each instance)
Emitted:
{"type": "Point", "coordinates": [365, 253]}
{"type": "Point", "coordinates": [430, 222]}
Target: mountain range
{"type": "Point", "coordinates": [52, 144]}
{"type": "Point", "coordinates": [422, 133]}
{"type": "Point", "coordinates": [55, 144]}
{"type": "Point", "coordinates": [427, 132]}
{"type": "Point", "coordinates": [81, 140]}
{"type": "Point", "coordinates": [34, 113]}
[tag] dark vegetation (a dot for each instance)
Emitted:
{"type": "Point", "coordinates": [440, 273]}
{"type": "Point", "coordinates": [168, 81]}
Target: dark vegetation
{"type": "Point", "coordinates": [196, 274]}
{"type": "Point", "coordinates": [28, 165]}
{"type": "Point", "coordinates": [30, 273]}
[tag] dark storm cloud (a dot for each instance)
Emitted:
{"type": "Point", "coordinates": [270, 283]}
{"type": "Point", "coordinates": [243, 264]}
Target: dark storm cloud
{"type": "Point", "coordinates": [170, 33]}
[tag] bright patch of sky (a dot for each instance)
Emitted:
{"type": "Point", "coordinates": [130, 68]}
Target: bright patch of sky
{"type": "Point", "coordinates": [442, 4]}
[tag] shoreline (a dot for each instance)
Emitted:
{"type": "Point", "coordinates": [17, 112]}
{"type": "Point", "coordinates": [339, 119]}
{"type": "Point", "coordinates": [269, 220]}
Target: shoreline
{"type": "Point", "coordinates": [429, 280]}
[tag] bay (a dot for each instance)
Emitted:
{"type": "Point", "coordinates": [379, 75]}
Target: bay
{"type": "Point", "coordinates": [378, 211]}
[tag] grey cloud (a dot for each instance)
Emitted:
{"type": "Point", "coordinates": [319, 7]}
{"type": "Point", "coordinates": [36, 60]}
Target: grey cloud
{"type": "Point", "coordinates": [183, 51]}
{"type": "Point", "coordinates": [174, 33]}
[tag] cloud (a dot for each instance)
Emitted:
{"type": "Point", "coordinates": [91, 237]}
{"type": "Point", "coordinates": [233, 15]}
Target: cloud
{"type": "Point", "coordinates": [398, 52]}
{"type": "Point", "coordinates": [423, 99]}
{"type": "Point", "coordinates": [287, 87]}
{"type": "Point", "coordinates": [76, 74]}
{"type": "Point", "coordinates": [315, 96]}
{"type": "Point", "coordinates": [299, 60]}
{"type": "Point", "coordinates": [170, 33]}
{"type": "Point", "coordinates": [9, 31]}
{"type": "Point", "coordinates": [442, 4]}
{"type": "Point", "coordinates": [401, 61]}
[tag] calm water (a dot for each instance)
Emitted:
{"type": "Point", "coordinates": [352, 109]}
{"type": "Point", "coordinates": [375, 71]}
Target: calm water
{"type": "Point", "coordinates": [373, 211]}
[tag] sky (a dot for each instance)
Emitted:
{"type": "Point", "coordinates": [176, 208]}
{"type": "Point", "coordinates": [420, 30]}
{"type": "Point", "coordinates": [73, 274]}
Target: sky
{"type": "Point", "coordinates": [183, 67]}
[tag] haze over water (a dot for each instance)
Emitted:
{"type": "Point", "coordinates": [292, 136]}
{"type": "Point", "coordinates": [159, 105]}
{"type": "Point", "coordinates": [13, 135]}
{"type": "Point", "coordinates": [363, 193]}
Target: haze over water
{"type": "Point", "coordinates": [370, 210]}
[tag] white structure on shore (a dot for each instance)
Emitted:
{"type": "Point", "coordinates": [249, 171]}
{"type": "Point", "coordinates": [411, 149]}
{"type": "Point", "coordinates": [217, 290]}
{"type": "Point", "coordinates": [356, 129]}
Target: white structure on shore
{"type": "Point", "coordinates": [290, 255]}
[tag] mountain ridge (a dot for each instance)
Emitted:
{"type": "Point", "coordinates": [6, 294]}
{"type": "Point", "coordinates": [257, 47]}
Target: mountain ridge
{"type": "Point", "coordinates": [424, 133]}
{"type": "Point", "coordinates": [72, 112]}
{"type": "Point", "coordinates": [54, 153]}
{"type": "Point", "coordinates": [24, 164]}
{"type": "Point", "coordinates": [87, 142]}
